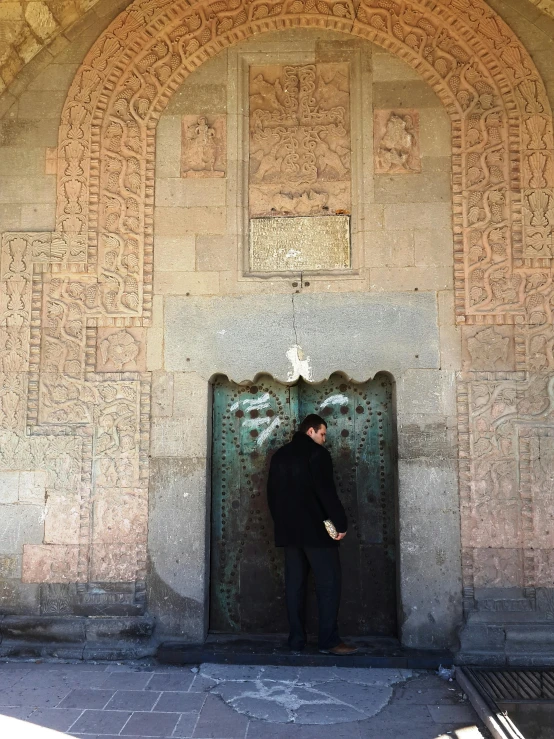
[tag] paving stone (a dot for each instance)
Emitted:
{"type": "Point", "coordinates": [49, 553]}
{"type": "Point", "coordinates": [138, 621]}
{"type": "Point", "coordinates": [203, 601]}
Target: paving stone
{"type": "Point", "coordinates": [262, 708]}
{"type": "Point", "coordinates": [185, 726]}
{"type": "Point", "coordinates": [452, 714]}
{"type": "Point", "coordinates": [150, 724]}
{"type": "Point", "coordinates": [133, 700]}
{"type": "Point", "coordinates": [416, 713]}
{"type": "Point", "coordinates": [59, 719]}
{"type": "Point", "coordinates": [202, 684]}
{"type": "Point", "coordinates": [103, 736]}
{"type": "Point", "coordinates": [401, 723]}
{"type": "Point", "coordinates": [260, 702]}
{"type": "Point", "coordinates": [465, 730]}
{"type": "Point", "coordinates": [127, 680]}
{"type": "Point", "coordinates": [19, 712]}
{"type": "Point", "coordinates": [231, 690]}
{"type": "Point", "coordinates": [265, 730]}
{"type": "Point", "coordinates": [286, 700]}
{"type": "Point", "coordinates": [63, 679]}
{"type": "Point", "coordinates": [405, 730]}
{"type": "Point", "coordinates": [78, 670]}
{"type": "Point", "coordinates": [45, 697]}
{"type": "Point", "coordinates": [427, 680]}
{"type": "Point", "coordinates": [101, 722]}
{"type": "Point", "coordinates": [180, 702]}
{"type": "Point", "coordinates": [180, 681]}
{"type": "Point", "coordinates": [219, 721]}
{"type": "Point", "coordinates": [10, 679]}
{"type": "Point", "coordinates": [427, 696]}
{"type": "Point", "coordinates": [281, 673]}
{"type": "Point", "coordinates": [367, 699]}
{"type": "Point", "coordinates": [330, 713]}
{"type": "Point", "coordinates": [230, 672]}
{"type": "Point", "coordinates": [83, 698]}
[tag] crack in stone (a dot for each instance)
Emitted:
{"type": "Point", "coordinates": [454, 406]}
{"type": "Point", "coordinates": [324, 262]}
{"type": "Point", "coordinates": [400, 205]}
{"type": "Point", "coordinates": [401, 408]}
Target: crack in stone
{"type": "Point", "coordinates": [294, 320]}
{"type": "Point", "coordinates": [293, 698]}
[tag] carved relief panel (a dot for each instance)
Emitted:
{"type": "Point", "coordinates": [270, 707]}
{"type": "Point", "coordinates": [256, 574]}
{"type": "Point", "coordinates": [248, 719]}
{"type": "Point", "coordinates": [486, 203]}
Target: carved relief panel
{"type": "Point", "coordinates": [299, 163]}
{"type": "Point", "coordinates": [204, 146]}
{"type": "Point", "coordinates": [299, 140]}
{"type": "Point", "coordinates": [396, 141]}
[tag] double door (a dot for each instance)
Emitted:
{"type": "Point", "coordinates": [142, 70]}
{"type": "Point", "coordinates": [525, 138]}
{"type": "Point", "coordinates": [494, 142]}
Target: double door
{"type": "Point", "coordinates": [249, 424]}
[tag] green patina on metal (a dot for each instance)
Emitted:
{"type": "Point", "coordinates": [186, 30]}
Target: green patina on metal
{"type": "Point", "coordinates": [251, 422]}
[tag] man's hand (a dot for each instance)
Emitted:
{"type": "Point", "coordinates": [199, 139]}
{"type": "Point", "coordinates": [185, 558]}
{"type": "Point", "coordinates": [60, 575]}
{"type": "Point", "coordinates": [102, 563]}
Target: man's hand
{"type": "Point", "coordinates": [340, 536]}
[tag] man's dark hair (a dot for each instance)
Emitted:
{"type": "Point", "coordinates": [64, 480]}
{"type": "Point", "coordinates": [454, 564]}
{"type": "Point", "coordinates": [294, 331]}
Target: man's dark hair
{"type": "Point", "coordinates": [313, 421]}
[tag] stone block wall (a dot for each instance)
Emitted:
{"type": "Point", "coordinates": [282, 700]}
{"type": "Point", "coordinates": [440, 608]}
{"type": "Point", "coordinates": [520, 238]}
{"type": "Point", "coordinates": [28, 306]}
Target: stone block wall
{"type": "Point", "coordinates": [76, 352]}
{"type": "Point", "coordinates": [28, 27]}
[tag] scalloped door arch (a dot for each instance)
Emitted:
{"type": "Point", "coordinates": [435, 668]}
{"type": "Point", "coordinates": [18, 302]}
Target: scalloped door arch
{"type": "Point", "coordinates": [503, 149]}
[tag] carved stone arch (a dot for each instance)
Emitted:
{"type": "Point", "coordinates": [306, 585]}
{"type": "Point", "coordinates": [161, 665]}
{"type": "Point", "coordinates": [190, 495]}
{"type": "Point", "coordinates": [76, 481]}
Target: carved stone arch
{"type": "Point", "coordinates": [501, 124]}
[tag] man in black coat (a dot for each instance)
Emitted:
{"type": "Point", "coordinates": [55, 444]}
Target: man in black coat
{"type": "Point", "coordinates": [301, 495]}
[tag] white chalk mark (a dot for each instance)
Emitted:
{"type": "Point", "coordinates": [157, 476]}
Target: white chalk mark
{"type": "Point", "coordinates": [252, 404]}
{"type": "Point", "coordinates": [337, 399]}
{"type": "Point", "coordinates": [266, 433]}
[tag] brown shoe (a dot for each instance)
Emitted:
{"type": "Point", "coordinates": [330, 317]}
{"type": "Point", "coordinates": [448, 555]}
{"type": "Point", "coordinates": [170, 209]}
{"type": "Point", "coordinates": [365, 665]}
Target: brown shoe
{"type": "Point", "coordinates": [341, 650]}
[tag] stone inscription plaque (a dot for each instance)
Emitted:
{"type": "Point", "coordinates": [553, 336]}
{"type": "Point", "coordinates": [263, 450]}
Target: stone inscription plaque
{"type": "Point", "coordinates": [299, 244]}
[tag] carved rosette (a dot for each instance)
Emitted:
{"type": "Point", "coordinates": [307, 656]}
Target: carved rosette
{"type": "Point", "coordinates": [503, 190]}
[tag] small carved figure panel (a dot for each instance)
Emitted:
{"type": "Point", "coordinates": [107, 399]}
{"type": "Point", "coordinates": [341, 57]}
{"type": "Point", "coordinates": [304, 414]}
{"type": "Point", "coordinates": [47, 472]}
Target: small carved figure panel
{"type": "Point", "coordinates": [396, 141]}
{"type": "Point", "coordinates": [120, 350]}
{"type": "Point", "coordinates": [204, 146]}
{"type": "Point", "coordinates": [300, 140]}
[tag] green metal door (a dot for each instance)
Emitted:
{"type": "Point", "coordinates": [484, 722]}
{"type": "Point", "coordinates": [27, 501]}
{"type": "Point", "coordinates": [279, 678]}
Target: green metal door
{"type": "Point", "coordinates": [249, 423]}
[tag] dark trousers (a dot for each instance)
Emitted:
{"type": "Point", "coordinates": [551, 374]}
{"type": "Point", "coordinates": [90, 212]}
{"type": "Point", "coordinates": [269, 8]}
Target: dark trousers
{"type": "Point", "coordinates": [325, 564]}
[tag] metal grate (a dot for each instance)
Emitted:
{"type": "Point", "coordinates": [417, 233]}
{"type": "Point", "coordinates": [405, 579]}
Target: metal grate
{"type": "Point", "coordinates": [513, 685]}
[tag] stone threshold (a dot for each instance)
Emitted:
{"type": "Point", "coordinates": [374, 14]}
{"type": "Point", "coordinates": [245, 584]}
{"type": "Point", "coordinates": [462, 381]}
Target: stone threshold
{"type": "Point", "coordinates": [272, 650]}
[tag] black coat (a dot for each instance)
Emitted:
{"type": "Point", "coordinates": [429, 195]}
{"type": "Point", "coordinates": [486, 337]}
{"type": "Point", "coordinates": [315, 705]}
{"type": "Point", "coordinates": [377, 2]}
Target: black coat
{"type": "Point", "coordinates": [301, 494]}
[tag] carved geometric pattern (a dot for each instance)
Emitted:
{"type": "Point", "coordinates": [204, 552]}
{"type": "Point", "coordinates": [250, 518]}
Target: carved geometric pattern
{"type": "Point", "coordinates": [503, 193]}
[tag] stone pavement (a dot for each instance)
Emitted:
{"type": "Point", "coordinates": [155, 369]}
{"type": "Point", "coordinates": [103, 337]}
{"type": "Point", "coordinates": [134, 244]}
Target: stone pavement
{"type": "Point", "coordinates": [99, 701]}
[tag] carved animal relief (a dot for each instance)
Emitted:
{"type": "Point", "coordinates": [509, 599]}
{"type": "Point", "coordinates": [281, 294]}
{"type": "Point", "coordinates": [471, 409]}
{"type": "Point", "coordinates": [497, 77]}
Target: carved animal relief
{"type": "Point", "coordinates": [396, 141]}
{"type": "Point", "coordinates": [204, 146]}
